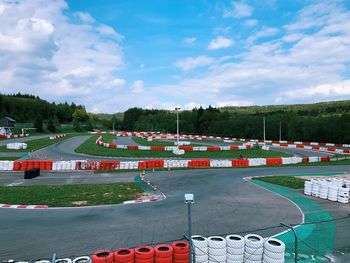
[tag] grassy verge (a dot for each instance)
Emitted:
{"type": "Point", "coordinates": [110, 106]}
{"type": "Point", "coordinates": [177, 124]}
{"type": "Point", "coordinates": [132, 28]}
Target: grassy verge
{"type": "Point", "coordinates": [287, 181]}
{"type": "Point", "coordinates": [144, 142]}
{"type": "Point", "coordinates": [40, 143]}
{"type": "Point", "coordinates": [10, 158]}
{"type": "Point", "coordinates": [91, 148]}
{"type": "Point", "coordinates": [69, 195]}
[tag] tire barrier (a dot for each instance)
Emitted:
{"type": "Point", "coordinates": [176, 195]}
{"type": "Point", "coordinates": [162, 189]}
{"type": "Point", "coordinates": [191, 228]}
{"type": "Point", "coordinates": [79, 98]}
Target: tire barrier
{"type": "Point", "coordinates": [237, 249]}
{"type": "Point", "coordinates": [103, 256]}
{"type": "Point", "coordinates": [16, 146]}
{"type": "Point", "coordinates": [63, 260]}
{"type": "Point", "coordinates": [124, 255]}
{"type": "Point", "coordinates": [49, 165]}
{"type": "Point", "coordinates": [83, 259]}
{"type": "Point", "coordinates": [333, 189]}
{"type": "Point", "coordinates": [144, 254]}
{"type": "Point", "coordinates": [181, 251]}
{"type": "Point", "coordinates": [53, 137]}
{"type": "Point", "coordinates": [163, 254]}
{"type": "Point", "coordinates": [13, 136]}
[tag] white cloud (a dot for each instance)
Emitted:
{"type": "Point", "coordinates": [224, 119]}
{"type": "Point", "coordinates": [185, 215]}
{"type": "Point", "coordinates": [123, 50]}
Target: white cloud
{"type": "Point", "coordinates": [251, 22]}
{"type": "Point", "coordinates": [191, 62]}
{"type": "Point", "coordinates": [220, 42]}
{"type": "Point", "coordinates": [238, 10]}
{"type": "Point", "coordinates": [189, 41]}
{"type": "Point", "coordinates": [43, 53]}
{"type": "Point", "coordinates": [85, 17]}
{"type": "Point", "coordinates": [137, 86]}
{"type": "Point", "coordinates": [265, 32]}
{"type": "Point", "coordinates": [234, 102]}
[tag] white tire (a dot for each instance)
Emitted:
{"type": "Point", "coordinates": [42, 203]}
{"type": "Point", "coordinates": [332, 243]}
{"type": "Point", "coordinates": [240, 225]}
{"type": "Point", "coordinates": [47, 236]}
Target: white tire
{"type": "Point", "coordinates": [202, 258]}
{"type": "Point", "coordinates": [273, 255]}
{"type": "Point", "coordinates": [217, 258]}
{"type": "Point", "coordinates": [43, 261]}
{"type": "Point", "coordinates": [252, 261]}
{"type": "Point", "coordinates": [234, 257]}
{"type": "Point", "coordinates": [253, 241]}
{"type": "Point", "coordinates": [200, 242]}
{"type": "Point", "coordinates": [235, 251]}
{"type": "Point", "coordinates": [216, 251]}
{"type": "Point", "coordinates": [343, 200]}
{"type": "Point", "coordinates": [84, 259]}
{"type": "Point", "coordinates": [274, 245]}
{"type": "Point", "coordinates": [216, 242]}
{"type": "Point", "coordinates": [201, 251]}
{"type": "Point", "coordinates": [268, 259]}
{"type": "Point", "coordinates": [252, 257]}
{"type": "Point", "coordinates": [235, 241]}
{"type": "Point", "coordinates": [253, 251]}
{"type": "Point", "coordinates": [63, 260]}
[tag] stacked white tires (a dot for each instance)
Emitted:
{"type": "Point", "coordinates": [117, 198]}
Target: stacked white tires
{"type": "Point", "coordinates": [308, 188]}
{"type": "Point", "coordinates": [316, 189]}
{"type": "Point", "coordinates": [200, 245]}
{"type": "Point", "coordinates": [217, 249]}
{"type": "Point", "coordinates": [343, 195]}
{"type": "Point", "coordinates": [274, 251]}
{"type": "Point", "coordinates": [333, 193]}
{"type": "Point", "coordinates": [84, 259]}
{"type": "Point", "coordinates": [254, 248]}
{"type": "Point", "coordinates": [324, 188]}
{"type": "Point", "coordinates": [234, 249]}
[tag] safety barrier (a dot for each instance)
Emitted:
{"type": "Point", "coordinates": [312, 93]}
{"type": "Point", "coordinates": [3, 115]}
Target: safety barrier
{"type": "Point", "coordinates": [53, 137]}
{"type": "Point", "coordinates": [16, 146]}
{"type": "Point", "coordinates": [50, 165]}
{"type": "Point", "coordinates": [13, 136]}
{"type": "Point", "coordinates": [333, 189]}
{"type": "Point", "coordinates": [234, 248]}
{"type": "Point", "coordinates": [313, 148]}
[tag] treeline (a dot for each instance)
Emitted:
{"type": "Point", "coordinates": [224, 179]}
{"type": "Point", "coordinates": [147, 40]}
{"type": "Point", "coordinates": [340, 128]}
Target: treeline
{"type": "Point", "coordinates": [324, 122]}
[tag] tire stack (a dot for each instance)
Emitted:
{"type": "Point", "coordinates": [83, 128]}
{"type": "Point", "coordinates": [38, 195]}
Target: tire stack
{"type": "Point", "coordinates": [324, 188]}
{"type": "Point", "coordinates": [63, 260]}
{"type": "Point", "coordinates": [84, 259]}
{"type": "Point", "coordinates": [144, 254]}
{"type": "Point", "coordinates": [315, 189]}
{"type": "Point", "coordinates": [217, 249]}
{"type": "Point", "coordinates": [103, 256]}
{"type": "Point", "coordinates": [124, 255]}
{"type": "Point", "coordinates": [308, 187]}
{"type": "Point", "coordinates": [343, 195]}
{"type": "Point", "coordinates": [333, 193]}
{"type": "Point", "coordinates": [181, 251]}
{"type": "Point", "coordinates": [234, 249]}
{"type": "Point", "coordinates": [200, 246]}
{"type": "Point", "coordinates": [163, 254]}
{"type": "Point", "coordinates": [254, 248]}
{"type": "Point", "coordinates": [273, 251]}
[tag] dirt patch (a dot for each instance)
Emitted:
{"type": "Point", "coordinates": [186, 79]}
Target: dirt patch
{"type": "Point", "coordinates": [79, 203]}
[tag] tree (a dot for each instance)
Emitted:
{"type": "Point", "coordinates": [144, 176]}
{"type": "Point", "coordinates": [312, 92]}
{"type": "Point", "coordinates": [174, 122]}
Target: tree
{"type": "Point", "coordinates": [89, 125]}
{"type": "Point", "coordinates": [76, 125]}
{"type": "Point", "coordinates": [38, 123]}
{"type": "Point", "coordinates": [51, 125]}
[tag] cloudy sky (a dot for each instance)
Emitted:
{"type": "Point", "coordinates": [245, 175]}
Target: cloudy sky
{"type": "Point", "coordinates": [114, 54]}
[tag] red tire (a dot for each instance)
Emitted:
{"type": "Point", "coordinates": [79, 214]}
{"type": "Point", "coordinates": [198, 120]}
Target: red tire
{"type": "Point", "coordinates": [144, 252]}
{"type": "Point", "coordinates": [181, 256]}
{"type": "Point", "coordinates": [181, 247]}
{"type": "Point", "coordinates": [150, 260]}
{"type": "Point", "coordinates": [163, 260]}
{"type": "Point", "coordinates": [163, 251]}
{"type": "Point", "coordinates": [102, 256]}
{"type": "Point", "coordinates": [181, 260]}
{"type": "Point", "coordinates": [124, 255]}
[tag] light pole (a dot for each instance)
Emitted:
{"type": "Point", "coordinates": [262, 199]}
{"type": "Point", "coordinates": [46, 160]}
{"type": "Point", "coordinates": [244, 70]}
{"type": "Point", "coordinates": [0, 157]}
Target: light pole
{"type": "Point", "coordinates": [189, 200]}
{"type": "Point", "coordinates": [295, 241]}
{"type": "Point", "coordinates": [280, 131]}
{"type": "Point", "coordinates": [177, 125]}
{"type": "Point", "coordinates": [264, 129]}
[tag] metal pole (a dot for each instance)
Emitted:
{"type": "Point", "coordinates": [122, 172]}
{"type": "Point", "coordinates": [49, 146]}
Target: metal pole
{"type": "Point", "coordinates": [280, 131]}
{"type": "Point", "coordinates": [264, 129]}
{"type": "Point", "coordinates": [177, 126]}
{"type": "Point", "coordinates": [53, 258]}
{"type": "Point", "coordinates": [295, 241]}
{"type": "Point", "coordinates": [190, 230]}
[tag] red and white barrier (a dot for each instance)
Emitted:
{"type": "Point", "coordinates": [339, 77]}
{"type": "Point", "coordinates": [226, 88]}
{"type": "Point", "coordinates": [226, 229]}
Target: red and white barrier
{"type": "Point", "coordinates": [53, 137]}
{"type": "Point", "coordinates": [48, 165]}
{"type": "Point", "coordinates": [13, 136]}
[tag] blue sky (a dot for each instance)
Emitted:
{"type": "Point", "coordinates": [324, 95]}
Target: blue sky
{"type": "Point", "coordinates": [114, 54]}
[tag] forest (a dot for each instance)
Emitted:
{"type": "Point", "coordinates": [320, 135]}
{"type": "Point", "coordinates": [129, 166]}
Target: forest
{"type": "Point", "coordinates": [322, 122]}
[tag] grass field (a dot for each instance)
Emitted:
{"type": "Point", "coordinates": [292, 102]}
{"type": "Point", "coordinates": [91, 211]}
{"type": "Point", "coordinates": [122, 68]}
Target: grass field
{"type": "Point", "coordinates": [10, 158]}
{"type": "Point", "coordinates": [40, 143]}
{"type": "Point", "coordinates": [287, 181]}
{"type": "Point", "coordinates": [69, 195]}
{"type": "Point", "coordinates": [91, 148]}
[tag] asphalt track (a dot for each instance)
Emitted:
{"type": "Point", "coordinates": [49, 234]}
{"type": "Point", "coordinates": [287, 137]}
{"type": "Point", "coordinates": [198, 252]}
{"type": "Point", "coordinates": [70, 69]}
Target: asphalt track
{"type": "Point", "coordinates": [24, 139]}
{"type": "Point", "coordinates": [224, 203]}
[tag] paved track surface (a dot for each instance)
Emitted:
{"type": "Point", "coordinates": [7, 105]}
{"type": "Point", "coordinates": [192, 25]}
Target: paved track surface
{"type": "Point", "coordinates": [301, 153]}
{"type": "Point", "coordinates": [224, 203]}
{"type": "Point", "coordinates": [126, 141]}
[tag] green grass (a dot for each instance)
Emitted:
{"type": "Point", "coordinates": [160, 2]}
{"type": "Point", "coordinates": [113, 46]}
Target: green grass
{"type": "Point", "coordinates": [10, 158]}
{"type": "Point", "coordinates": [144, 142]}
{"type": "Point", "coordinates": [40, 143]}
{"type": "Point", "coordinates": [66, 195]}
{"type": "Point", "coordinates": [287, 181]}
{"type": "Point", "coordinates": [91, 148]}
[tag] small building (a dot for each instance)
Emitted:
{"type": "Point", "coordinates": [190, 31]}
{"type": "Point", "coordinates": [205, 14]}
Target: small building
{"type": "Point", "coordinates": [6, 124]}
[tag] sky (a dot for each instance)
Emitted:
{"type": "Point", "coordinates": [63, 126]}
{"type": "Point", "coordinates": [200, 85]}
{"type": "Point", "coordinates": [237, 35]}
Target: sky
{"type": "Point", "coordinates": [112, 55]}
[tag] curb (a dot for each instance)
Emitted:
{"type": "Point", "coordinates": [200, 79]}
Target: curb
{"type": "Point", "coordinates": [23, 206]}
{"type": "Point", "coordinates": [152, 199]}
